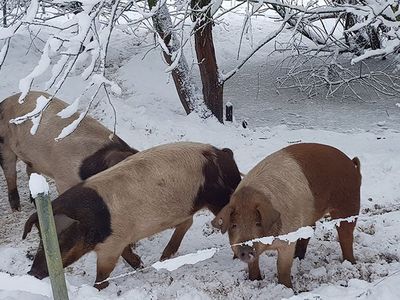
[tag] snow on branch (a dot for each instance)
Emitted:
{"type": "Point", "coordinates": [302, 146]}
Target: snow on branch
{"type": "Point", "coordinates": [70, 110]}
{"type": "Point", "coordinates": [271, 36]}
{"type": "Point", "coordinates": [78, 43]}
{"type": "Point", "coordinates": [35, 115]}
{"type": "Point", "coordinates": [71, 127]}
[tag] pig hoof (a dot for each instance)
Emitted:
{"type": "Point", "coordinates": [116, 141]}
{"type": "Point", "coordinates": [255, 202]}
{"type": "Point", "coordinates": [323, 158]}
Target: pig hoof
{"type": "Point", "coordinates": [139, 265]}
{"type": "Point", "coordinates": [299, 256]}
{"type": "Point", "coordinates": [166, 256]}
{"type": "Point", "coordinates": [255, 277]}
{"type": "Point", "coordinates": [102, 285]}
{"type": "Point", "coordinates": [15, 207]}
{"type": "Point", "coordinates": [37, 274]}
{"type": "Point", "coordinates": [287, 284]}
{"type": "Point", "coordinates": [352, 260]}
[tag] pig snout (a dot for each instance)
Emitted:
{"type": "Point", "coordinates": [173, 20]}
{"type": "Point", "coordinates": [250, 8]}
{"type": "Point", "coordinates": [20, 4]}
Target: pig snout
{"type": "Point", "coordinates": [246, 253]}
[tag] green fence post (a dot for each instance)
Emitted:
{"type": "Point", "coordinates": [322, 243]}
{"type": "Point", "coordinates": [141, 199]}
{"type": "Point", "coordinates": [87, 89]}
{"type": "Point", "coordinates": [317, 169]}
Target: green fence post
{"type": "Point", "coordinates": [50, 244]}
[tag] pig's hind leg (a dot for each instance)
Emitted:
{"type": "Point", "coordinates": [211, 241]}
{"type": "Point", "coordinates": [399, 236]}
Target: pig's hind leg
{"type": "Point", "coordinates": [347, 206]}
{"type": "Point", "coordinates": [8, 162]}
{"type": "Point", "coordinates": [176, 239]}
{"type": "Point", "coordinates": [345, 231]}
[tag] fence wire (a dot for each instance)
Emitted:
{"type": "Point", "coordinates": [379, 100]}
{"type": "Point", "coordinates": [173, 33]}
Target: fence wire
{"type": "Point", "coordinates": [291, 237]}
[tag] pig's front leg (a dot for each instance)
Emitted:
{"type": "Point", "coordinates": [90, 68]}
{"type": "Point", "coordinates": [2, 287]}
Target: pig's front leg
{"type": "Point", "coordinates": [132, 258]}
{"type": "Point", "coordinates": [254, 270]}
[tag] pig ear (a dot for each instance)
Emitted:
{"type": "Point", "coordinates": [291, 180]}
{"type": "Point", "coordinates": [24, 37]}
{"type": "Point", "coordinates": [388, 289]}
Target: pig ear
{"type": "Point", "coordinates": [223, 219]}
{"type": "Point", "coordinates": [269, 215]}
{"type": "Point", "coordinates": [63, 222]}
{"type": "Point", "coordinates": [33, 220]}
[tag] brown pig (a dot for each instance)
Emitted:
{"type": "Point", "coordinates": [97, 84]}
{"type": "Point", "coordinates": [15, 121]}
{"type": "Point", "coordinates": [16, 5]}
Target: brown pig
{"type": "Point", "coordinates": [292, 188]}
{"type": "Point", "coordinates": [148, 192]}
{"type": "Point", "coordinates": [91, 148]}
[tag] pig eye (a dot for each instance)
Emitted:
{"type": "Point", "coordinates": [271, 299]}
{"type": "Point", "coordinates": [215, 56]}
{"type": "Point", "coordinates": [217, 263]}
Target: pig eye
{"type": "Point", "coordinates": [233, 226]}
{"type": "Point", "coordinates": [258, 224]}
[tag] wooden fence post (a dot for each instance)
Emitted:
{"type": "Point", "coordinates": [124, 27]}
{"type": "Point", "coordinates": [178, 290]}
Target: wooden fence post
{"type": "Point", "coordinates": [229, 112]}
{"type": "Point", "coordinates": [50, 244]}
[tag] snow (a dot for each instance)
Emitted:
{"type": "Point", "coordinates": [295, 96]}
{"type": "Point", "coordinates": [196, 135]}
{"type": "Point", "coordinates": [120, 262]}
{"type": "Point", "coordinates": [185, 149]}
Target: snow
{"type": "Point", "coordinates": [38, 185]}
{"type": "Point", "coordinates": [41, 103]}
{"type": "Point", "coordinates": [70, 109]}
{"type": "Point", "coordinates": [43, 64]}
{"type": "Point", "coordinates": [98, 79]}
{"type": "Point", "coordinates": [71, 127]}
{"type": "Point", "coordinates": [35, 115]}
{"type": "Point", "coordinates": [149, 114]}
{"type": "Point", "coordinates": [301, 233]}
{"type": "Point", "coordinates": [36, 123]}
{"type": "Point", "coordinates": [7, 32]}
{"type": "Point", "coordinates": [3, 51]}
{"type": "Point", "coordinates": [188, 259]}
{"type": "Point", "coordinates": [356, 289]}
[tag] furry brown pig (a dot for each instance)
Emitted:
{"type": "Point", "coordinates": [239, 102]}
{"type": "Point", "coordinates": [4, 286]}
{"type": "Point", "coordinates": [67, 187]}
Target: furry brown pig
{"type": "Point", "coordinates": [289, 189]}
{"type": "Point", "coordinates": [148, 192]}
{"type": "Point", "coordinates": [90, 149]}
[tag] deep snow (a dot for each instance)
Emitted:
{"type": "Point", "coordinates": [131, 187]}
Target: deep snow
{"type": "Point", "coordinates": [148, 114]}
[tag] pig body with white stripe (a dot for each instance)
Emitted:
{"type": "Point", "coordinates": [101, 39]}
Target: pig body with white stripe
{"type": "Point", "coordinates": [290, 189]}
{"type": "Point", "coordinates": [148, 192]}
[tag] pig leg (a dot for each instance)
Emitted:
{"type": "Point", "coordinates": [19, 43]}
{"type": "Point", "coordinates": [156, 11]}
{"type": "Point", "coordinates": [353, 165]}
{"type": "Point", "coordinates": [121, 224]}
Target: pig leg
{"type": "Point", "coordinates": [345, 231]}
{"type": "Point", "coordinates": [131, 258]}
{"type": "Point", "coordinates": [29, 171]}
{"type": "Point", "coordinates": [106, 261]}
{"type": "Point", "coordinates": [301, 248]}
{"type": "Point", "coordinates": [254, 270]}
{"type": "Point", "coordinates": [9, 163]}
{"type": "Point", "coordinates": [176, 239]}
{"type": "Point", "coordinates": [346, 204]}
{"type": "Point", "coordinates": [285, 261]}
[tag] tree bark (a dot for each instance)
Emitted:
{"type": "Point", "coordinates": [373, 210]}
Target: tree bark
{"type": "Point", "coordinates": [5, 13]}
{"type": "Point", "coordinates": [185, 87]}
{"type": "Point", "coordinates": [204, 45]}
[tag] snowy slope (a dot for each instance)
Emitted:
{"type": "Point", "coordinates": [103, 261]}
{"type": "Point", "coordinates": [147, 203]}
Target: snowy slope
{"type": "Point", "coordinates": [148, 114]}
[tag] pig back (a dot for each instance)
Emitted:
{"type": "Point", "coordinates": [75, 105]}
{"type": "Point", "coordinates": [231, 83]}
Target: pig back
{"type": "Point", "coordinates": [282, 181]}
{"type": "Point", "coordinates": [153, 190]}
{"type": "Point", "coordinates": [40, 150]}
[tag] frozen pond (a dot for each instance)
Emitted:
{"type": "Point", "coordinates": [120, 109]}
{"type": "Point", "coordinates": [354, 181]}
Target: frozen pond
{"type": "Point", "coordinates": [256, 98]}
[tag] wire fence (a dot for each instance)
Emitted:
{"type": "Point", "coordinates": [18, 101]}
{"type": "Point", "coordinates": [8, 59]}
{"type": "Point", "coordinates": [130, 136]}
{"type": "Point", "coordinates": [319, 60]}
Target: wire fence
{"type": "Point", "coordinates": [291, 237]}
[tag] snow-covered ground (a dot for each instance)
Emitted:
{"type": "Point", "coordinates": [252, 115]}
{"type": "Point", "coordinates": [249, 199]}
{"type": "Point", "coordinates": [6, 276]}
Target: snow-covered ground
{"type": "Point", "coordinates": [149, 113]}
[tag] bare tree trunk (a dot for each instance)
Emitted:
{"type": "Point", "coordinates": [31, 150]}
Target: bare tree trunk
{"type": "Point", "coordinates": [361, 42]}
{"type": "Point", "coordinates": [374, 40]}
{"type": "Point", "coordinates": [5, 13]}
{"type": "Point", "coordinates": [186, 89]}
{"type": "Point", "coordinates": [212, 86]}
